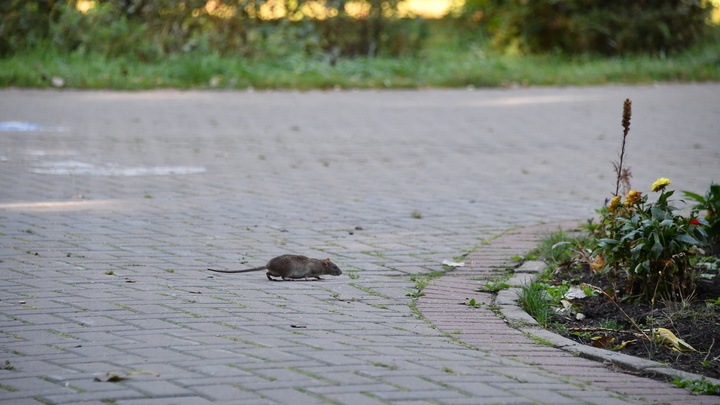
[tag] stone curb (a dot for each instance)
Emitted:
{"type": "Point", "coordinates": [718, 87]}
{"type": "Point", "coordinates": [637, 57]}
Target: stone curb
{"type": "Point", "coordinates": [507, 301]}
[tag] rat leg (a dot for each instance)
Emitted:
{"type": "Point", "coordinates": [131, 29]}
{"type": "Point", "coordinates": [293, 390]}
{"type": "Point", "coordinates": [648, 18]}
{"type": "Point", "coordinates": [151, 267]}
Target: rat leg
{"type": "Point", "coordinates": [270, 278]}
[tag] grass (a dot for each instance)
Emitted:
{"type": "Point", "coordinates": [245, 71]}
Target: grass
{"type": "Point", "coordinates": [534, 301]}
{"type": "Point", "coordinates": [387, 366]}
{"type": "Point", "coordinates": [368, 290]}
{"type": "Point", "coordinates": [554, 248]}
{"type": "Point", "coordinates": [451, 58]}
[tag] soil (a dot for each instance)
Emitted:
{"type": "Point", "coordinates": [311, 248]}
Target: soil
{"type": "Point", "coordinates": [696, 322]}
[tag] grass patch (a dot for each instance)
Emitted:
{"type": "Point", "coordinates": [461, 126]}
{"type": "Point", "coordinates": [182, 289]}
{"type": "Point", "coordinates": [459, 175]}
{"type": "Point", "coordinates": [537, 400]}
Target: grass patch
{"type": "Point", "coordinates": [229, 301]}
{"type": "Point", "coordinates": [387, 366]}
{"type": "Point", "coordinates": [238, 340]}
{"type": "Point", "coordinates": [65, 335]}
{"type": "Point", "coordinates": [556, 247]}
{"type": "Point", "coordinates": [451, 58]}
{"type": "Point", "coordinates": [368, 290]}
{"type": "Point", "coordinates": [533, 299]}
{"type": "Point", "coordinates": [311, 375]}
{"type": "Point", "coordinates": [194, 315]}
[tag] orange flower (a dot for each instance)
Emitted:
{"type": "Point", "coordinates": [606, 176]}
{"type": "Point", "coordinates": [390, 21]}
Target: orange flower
{"type": "Point", "coordinates": [632, 198]}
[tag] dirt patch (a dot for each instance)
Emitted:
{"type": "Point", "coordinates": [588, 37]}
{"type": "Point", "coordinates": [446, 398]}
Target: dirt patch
{"type": "Point", "coordinates": [696, 321]}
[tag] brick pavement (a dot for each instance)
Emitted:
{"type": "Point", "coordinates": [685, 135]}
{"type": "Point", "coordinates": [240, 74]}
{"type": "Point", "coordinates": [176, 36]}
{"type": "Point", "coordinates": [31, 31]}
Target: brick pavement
{"type": "Point", "coordinates": [113, 208]}
{"type": "Point", "coordinates": [482, 328]}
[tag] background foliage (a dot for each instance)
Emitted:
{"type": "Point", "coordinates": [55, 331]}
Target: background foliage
{"type": "Point", "coordinates": [302, 44]}
{"type": "Point", "coordinates": [152, 29]}
{"type": "Point", "coordinates": [609, 27]}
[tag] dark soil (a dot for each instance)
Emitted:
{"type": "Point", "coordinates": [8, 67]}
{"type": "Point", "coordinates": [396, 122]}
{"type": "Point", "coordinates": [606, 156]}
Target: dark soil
{"type": "Point", "coordinates": [697, 323]}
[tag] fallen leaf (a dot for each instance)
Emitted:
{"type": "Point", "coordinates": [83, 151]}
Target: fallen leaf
{"type": "Point", "coordinates": [602, 341]}
{"type": "Point", "coordinates": [110, 378]}
{"type": "Point", "coordinates": [115, 377]}
{"type": "Point", "coordinates": [451, 263]}
{"type": "Point", "coordinates": [597, 263]}
{"type": "Point", "coordinates": [623, 344]}
{"type": "Point", "coordinates": [666, 338]}
{"type": "Point", "coordinates": [575, 292]}
{"type": "Point", "coordinates": [129, 281]}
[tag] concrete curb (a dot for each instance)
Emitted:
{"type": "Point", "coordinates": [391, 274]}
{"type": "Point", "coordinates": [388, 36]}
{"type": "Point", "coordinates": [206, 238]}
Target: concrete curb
{"type": "Point", "coordinates": [507, 301]}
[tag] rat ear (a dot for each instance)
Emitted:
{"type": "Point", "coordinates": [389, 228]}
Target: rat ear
{"type": "Point", "coordinates": [326, 261]}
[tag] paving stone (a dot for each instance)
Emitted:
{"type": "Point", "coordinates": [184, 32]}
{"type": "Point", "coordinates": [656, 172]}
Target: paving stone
{"type": "Point", "coordinates": [289, 172]}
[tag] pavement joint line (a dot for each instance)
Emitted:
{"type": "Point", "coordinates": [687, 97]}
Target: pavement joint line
{"type": "Point", "coordinates": [475, 167]}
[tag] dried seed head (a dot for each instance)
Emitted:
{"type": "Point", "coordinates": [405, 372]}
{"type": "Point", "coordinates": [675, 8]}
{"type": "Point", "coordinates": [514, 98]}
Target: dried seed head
{"type": "Point", "coordinates": [627, 113]}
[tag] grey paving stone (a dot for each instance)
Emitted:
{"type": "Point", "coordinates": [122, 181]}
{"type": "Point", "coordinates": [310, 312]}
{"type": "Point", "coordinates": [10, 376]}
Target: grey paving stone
{"type": "Point", "coordinates": [474, 164]}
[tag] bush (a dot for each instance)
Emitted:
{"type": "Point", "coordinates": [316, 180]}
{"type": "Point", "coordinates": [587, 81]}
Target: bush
{"type": "Point", "coordinates": [710, 202]}
{"type": "Point", "coordinates": [25, 23]}
{"type": "Point", "coordinates": [651, 244]}
{"type": "Point", "coordinates": [609, 27]}
{"type": "Point", "coordinates": [153, 29]}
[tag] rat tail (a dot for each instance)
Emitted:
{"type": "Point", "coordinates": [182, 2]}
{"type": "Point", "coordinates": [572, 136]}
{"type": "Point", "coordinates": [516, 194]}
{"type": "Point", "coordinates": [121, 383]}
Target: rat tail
{"type": "Point", "coordinates": [239, 271]}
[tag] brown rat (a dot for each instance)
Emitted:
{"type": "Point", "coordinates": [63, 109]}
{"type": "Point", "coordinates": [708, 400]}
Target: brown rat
{"type": "Point", "coordinates": [291, 267]}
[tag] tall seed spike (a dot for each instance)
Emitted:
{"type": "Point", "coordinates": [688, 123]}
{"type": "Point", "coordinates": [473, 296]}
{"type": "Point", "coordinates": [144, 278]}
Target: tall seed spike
{"type": "Point", "coordinates": [627, 113]}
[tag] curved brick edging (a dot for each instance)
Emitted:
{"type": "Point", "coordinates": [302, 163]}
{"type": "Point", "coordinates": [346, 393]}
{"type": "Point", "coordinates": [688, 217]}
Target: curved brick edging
{"type": "Point", "coordinates": [483, 329]}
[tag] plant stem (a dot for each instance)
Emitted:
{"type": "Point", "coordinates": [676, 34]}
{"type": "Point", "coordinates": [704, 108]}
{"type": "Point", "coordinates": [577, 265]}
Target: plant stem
{"type": "Point", "coordinates": [627, 113]}
{"type": "Point", "coordinates": [621, 310]}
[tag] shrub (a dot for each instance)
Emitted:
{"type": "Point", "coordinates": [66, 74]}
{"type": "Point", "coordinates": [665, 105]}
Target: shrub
{"type": "Point", "coordinates": [152, 29]}
{"type": "Point", "coordinates": [651, 244]}
{"type": "Point", "coordinates": [608, 27]}
{"type": "Point", "coordinates": [25, 23]}
{"type": "Point", "coordinates": [710, 202]}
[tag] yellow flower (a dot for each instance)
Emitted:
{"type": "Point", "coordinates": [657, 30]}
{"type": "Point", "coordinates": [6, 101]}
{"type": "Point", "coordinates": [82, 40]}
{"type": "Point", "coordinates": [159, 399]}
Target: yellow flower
{"type": "Point", "coordinates": [614, 203]}
{"type": "Point", "coordinates": [632, 197]}
{"type": "Point", "coordinates": [660, 184]}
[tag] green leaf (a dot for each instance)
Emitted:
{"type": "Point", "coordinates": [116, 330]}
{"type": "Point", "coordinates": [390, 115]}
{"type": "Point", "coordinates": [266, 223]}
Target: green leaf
{"type": "Point", "coordinates": [696, 197]}
{"type": "Point", "coordinates": [658, 214]}
{"type": "Point", "coordinates": [642, 267]}
{"type": "Point", "coordinates": [657, 248]}
{"type": "Point", "coordinates": [608, 241]}
{"type": "Point", "coordinates": [664, 196]}
{"type": "Point", "coordinates": [683, 237]}
{"type": "Point", "coordinates": [637, 250]}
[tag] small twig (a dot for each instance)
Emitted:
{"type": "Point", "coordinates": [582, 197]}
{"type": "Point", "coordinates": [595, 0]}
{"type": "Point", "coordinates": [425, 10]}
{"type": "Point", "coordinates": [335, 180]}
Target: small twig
{"type": "Point", "coordinates": [709, 350]}
{"type": "Point", "coordinates": [627, 332]}
{"type": "Point", "coordinates": [598, 289]}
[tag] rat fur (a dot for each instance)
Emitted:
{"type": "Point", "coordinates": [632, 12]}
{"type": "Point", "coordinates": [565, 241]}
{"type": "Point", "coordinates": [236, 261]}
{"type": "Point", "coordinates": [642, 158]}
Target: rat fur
{"type": "Point", "coordinates": [293, 267]}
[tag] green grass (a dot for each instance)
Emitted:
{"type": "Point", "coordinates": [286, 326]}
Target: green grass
{"type": "Point", "coordinates": [448, 60]}
{"type": "Point", "coordinates": [556, 247]}
{"type": "Point", "coordinates": [534, 301]}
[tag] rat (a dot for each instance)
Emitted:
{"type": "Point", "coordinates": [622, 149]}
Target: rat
{"type": "Point", "coordinates": [291, 267]}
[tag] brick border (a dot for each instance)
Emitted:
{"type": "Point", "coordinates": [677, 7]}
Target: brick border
{"type": "Point", "coordinates": [481, 328]}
